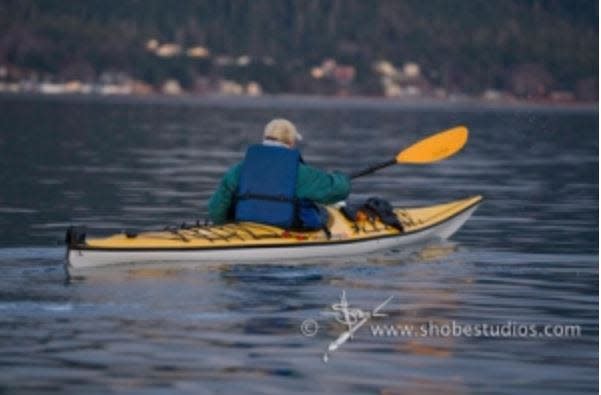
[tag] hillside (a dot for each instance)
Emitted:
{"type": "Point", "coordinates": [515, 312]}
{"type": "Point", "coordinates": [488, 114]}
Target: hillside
{"type": "Point", "coordinates": [526, 48]}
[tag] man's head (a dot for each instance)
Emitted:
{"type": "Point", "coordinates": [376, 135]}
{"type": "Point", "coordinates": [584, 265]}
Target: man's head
{"type": "Point", "coordinates": [283, 131]}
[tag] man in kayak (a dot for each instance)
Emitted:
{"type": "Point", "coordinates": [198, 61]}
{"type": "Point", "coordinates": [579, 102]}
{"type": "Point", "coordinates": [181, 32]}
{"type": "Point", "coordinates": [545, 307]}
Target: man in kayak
{"type": "Point", "coordinates": [273, 185]}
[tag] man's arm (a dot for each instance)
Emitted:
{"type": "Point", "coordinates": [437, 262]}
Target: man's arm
{"type": "Point", "coordinates": [320, 186]}
{"type": "Point", "coordinates": [222, 200]}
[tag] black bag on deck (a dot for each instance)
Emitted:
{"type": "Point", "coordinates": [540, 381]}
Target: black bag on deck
{"type": "Point", "coordinates": [374, 207]}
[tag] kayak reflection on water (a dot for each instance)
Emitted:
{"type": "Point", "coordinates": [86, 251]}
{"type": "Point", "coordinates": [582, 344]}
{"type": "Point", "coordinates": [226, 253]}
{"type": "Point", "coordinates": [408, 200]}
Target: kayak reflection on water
{"type": "Point", "coordinates": [273, 185]}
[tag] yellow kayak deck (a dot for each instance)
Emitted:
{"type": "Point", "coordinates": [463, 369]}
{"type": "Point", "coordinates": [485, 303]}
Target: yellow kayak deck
{"type": "Point", "coordinates": [247, 234]}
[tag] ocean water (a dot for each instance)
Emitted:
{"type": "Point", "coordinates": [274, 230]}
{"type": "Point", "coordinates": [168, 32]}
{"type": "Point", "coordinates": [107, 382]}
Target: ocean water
{"type": "Point", "coordinates": [525, 266]}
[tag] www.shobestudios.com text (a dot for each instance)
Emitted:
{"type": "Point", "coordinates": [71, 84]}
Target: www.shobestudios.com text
{"type": "Point", "coordinates": [455, 329]}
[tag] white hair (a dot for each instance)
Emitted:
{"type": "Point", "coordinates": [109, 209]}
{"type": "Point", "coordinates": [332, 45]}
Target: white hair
{"type": "Point", "coordinates": [282, 130]}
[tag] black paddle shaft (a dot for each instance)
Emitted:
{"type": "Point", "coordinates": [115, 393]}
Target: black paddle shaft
{"type": "Point", "coordinates": [373, 168]}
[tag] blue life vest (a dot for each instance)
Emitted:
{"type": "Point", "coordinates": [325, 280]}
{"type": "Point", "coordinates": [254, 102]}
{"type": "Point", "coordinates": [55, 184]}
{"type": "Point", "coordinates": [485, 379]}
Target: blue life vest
{"type": "Point", "coordinates": [267, 186]}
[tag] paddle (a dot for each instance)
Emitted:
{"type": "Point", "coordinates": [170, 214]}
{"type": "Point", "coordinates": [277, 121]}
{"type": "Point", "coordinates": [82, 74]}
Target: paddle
{"type": "Point", "coordinates": [431, 149]}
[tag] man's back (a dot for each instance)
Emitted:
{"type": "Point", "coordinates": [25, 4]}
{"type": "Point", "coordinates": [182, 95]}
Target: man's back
{"type": "Point", "coordinates": [244, 187]}
{"type": "Point", "coordinates": [312, 184]}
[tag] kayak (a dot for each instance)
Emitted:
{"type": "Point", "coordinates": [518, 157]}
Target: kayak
{"type": "Point", "coordinates": [247, 242]}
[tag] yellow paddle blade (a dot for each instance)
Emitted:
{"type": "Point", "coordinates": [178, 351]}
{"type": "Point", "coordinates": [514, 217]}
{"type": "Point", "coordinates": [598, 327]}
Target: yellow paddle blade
{"type": "Point", "coordinates": [436, 147]}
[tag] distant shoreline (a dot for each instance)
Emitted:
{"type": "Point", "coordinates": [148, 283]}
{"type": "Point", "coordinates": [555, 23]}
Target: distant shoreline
{"type": "Point", "coordinates": [315, 101]}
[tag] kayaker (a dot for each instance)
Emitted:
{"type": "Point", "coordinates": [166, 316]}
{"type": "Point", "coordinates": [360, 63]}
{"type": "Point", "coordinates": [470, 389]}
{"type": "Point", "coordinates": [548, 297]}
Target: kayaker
{"type": "Point", "coordinates": [273, 185]}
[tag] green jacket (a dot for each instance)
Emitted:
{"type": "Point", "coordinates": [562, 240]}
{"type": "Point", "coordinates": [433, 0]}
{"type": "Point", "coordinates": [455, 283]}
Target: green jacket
{"type": "Point", "coordinates": [311, 183]}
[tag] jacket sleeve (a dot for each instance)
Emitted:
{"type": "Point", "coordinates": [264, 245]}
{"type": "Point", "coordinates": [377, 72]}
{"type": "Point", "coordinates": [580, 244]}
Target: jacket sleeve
{"type": "Point", "coordinates": [222, 200]}
{"type": "Point", "coordinates": [322, 187]}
